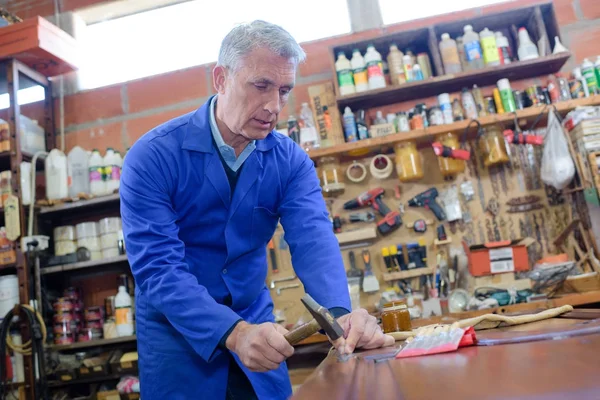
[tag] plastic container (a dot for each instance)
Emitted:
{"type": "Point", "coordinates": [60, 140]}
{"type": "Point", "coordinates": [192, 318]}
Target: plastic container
{"type": "Point", "coordinates": [57, 183]}
{"type": "Point", "coordinates": [468, 104]}
{"type": "Point", "coordinates": [361, 126]}
{"type": "Point", "coordinates": [457, 111]}
{"type": "Point", "coordinates": [90, 243]}
{"type": "Point", "coordinates": [597, 69]}
{"type": "Point", "coordinates": [425, 63]}
{"type": "Point", "coordinates": [446, 107]}
{"type": "Point", "coordinates": [503, 47]}
{"type": "Point", "coordinates": [395, 317]}
{"type": "Point", "coordinates": [65, 232]}
{"type": "Point", "coordinates": [473, 52]}
{"type": "Point", "coordinates": [64, 247]}
{"type": "Point", "coordinates": [563, 87]}
{"type": "Point", "coordinates": [379, 118]}
{"type": "Point", "coordinates": [25, 182]}
{"type": "Point", "coordinates": [359, 71]}
{"type": "Point", "coordinates": [5, 186]}
{"type": "Point", "coordinates": [86, 229]}
{"type": "Point", "coordinates": [33, 138]}
{"type": "Point", "coordinates": [409, 164]}
{"type": "Point", "coordinates": [97, 184]}
{"type": "Point", "coordinates": [344, 74]}
{"type": "Point", "coordinates": [78, 170]}
{"type": "Point", "coordinates": [407, 64]}
{"type": "Point", "coordinates": [450, 56]}
{"type": "Point", "coordinates": [493, 147]}
{"type": "Point", "coordinates": [450, 166]}
{"type": "Point", "coordinates": [489, 48]}
{"type": "Point", "coordinates": [506, 95]}
{"type": "Point", "coordinates": [109, 241]}
{"type": "Point", "coordinates": [112, 171]}
{"type": "Point", "coordinates": [402, 122]}
{"type": "Point", "coordinates": [9, 287]}
{"type": "Point", "coordinates": [123, 312]}
{"type": "Point", "coordinates": [349, 125]}
{"type": "Point", "coordinates": [110, 253]}
{"type": "Point", "coordinates": [527, 50]}
{"type": "Point", "coordinates": [589, 73]}
{"type": "Point", "coordinates": [109, 225]}
{"type": "Point", "coordinates": [417, 73]}
{"type": "Point", "coordinates": [374, 68]}
{"type": "Point", "coordinates": [394, 60]}
{"type": "Point", "coordinates": [479, 101]}
{"type": "Point", "coordinates": [331, 176]}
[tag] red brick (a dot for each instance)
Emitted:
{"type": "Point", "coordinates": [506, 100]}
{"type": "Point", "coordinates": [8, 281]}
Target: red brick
{"type": "Point", "coordinates": [135, 128]}
{"type": "Point", "coordinates": [100, 138]}
{"type": "Point", "coordinates": [44, 9]}
{"type": "Point", "coordinates": [429, 21]}
{"type": "Point", "coordinates": [301, 94]}
{"type": "Point", "coordinates": [92, 105]}
{"type": "Point", "coordinates": [590, 8]}
{"type": "Point", "coordinates": [565, 12]}
{"type": "Point", "coordinates": [70, 5]}
{"type": "Point", "coordinates": [171, 88]}
{"type": "Point", "coordinates": [585, 43]}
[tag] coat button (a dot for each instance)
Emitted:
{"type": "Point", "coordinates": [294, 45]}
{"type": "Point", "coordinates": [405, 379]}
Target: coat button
{"type": "Point", "coordinates": [225, 271]}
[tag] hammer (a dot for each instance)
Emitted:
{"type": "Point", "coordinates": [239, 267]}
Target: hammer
{"type": "Point", "coordinates": [322, 320]}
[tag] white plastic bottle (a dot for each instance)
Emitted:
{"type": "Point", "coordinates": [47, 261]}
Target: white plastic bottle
{"type": "Point", "coordinates": [589, 73]}
{"type": "Point", "coordinates": [503, 48]}
{"type": "Point", "coordinates": [109, 185]}
{"type": "Point", "coordinates": [527, 50]}
{"type": "Point", "coordinates": [468, 103]}
{"type": "Point", "coordinates": [579, 76]}
{"type": "Point", "coordinates": [57, 183]}
{"type": "Point", "coordinates": [309, 138]}
{"type": "Point", "coordinates": [450, 56]}
{"type": "Point", "coordinates": [597, 69]}
{"type": "Point", "coordinates": [350, 131]}
{"type": "Point", "coordinates": [116, 168]}
{"type": "Point", "coordinates": [472, 48]}
{"type": "Point", "coordinates": [374, 68]}
{"type": "Point", "coordinates": [344, 74]}
{"type": "Point", "coordinates": [78, 164]}
{"type": "Point", "coordinates": [359, 70]}
{"type": "Point", "coordinates": [96, 171]}
{"type": "Point", "coordinates": [379, 118]}
{"type": "Point", "coordinates": [488, 46]}
{"type": "Point", "coordinates": [123, 313]}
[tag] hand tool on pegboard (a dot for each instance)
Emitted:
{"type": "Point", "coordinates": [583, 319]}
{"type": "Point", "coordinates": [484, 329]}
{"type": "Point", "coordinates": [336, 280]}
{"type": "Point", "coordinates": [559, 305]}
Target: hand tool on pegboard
{"type": "Point", "coordinates": [497, 235]}
{"type": "Point", "coordinates": [391, 219]}
{"type": "Point", "coordinates": [554, 196]}
{"type": "Point", "coordinates": [538, 232]}
{"type": "Point", "coordinates": [481, 232]}
{"type": "Point", "coordinates": [427, 199]}
{"type": "Point", "coordinates": [511, 229]}
{"type": "Point", "coordinates": [524, 208]}
{"type": "Point", "coordinates": [273, 255]}
{"type": "Point", "coordinates": [493, 207]}
{"type": "Point", "coordinates": [494, 180]}
{"type": "Point", "coordinates": [470, 233]}
{"type": "Point", "coordinates": [503, 180]}
{"type": "Point", "coordinates": [525, 168]}
{"type": "Point", "coordinates": [489, 230]}
{"type": "Point", "coordinates": [547, 244]}
{"type": "Point", "coordinates": [474, 168]}
{"type": "Point", "coordinates": [534, 163]}
{"type": "Point", "coordinates": [503, 227]}
{"type": "Point", "coordinates": [522, 229]}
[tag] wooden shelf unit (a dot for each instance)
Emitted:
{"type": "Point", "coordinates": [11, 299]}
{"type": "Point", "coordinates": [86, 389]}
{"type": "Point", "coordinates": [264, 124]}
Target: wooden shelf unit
{"type": "Point", "coordinates": [92, 343]}
{"type": "Point", "coordinates": [84, 265]}
{"type": "Point", "coordinates": [100, 201]}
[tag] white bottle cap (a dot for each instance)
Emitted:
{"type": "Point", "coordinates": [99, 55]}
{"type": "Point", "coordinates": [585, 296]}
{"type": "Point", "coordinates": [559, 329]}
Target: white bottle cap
{"type": "Point", "coordinates": [468, 28]}
{"type": "Point", "coordinates": [504, 84]}
{"type": "Point", "coordinates": [445, 36]}
{"type": "Point", "coordinates": [407, 59]}
{"type": "Point", "coordinates": [444, 98]}
{"type": "Point", "coordinates": [379, 114]}
{"type": "Point", "coordinates": [499, 34]}
{"type": "Point", "coordinates": [347, 110]}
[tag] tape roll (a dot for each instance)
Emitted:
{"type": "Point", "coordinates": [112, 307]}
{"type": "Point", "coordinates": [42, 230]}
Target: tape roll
{"type": "Point", "coordinates": [381, 166]}
{"type": "Point", "coordinates": [356, 166]}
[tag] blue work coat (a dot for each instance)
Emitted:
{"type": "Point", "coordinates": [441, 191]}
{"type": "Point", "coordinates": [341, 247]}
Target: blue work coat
{"type": "Point", "coordinates": [191, 244]}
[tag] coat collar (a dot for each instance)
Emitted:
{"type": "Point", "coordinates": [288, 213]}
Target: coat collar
{"type": "Point", "coordinates": [198, 135]}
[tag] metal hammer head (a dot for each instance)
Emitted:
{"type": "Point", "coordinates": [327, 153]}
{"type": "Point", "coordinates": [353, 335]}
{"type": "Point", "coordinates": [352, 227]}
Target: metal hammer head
{"type": "Point", "coordinates": [323, 317]}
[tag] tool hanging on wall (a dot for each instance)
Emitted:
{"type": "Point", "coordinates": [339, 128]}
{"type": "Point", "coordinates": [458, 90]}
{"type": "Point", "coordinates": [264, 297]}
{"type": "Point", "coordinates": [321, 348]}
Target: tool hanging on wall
{"type": "Point", "coordinates": [554, 196]}
{"type": "Point", "coordinates": [547, 244]}
{"type": "Point", "coordinates": [394, 256]}
{"type": "Point", "coordinates": [427, 200]}
{"type": "Point", "coordinates": [493, 207]}
{"type": "Point", "coordinates": [448, 152]}
{"type": "Point", "coordinates": [497, 235]}
{"type": "Point", "coordinates": [400, 258]}
{"type": "Point", "coordinates": [391, 219]}
{"type": "Point", "coordinates": [370, 282]}
{"type": "Point", "coordinates": [534, 163]}
{"type": "Point", "coordinates": [503, 180]}
{"type": "Point", "coordinates": [494, 180]}
{"type": "Point", "coordinates": [489, 230]}
{"type": "Point", "coordinates": [337, 224]}
{"type": "Point", "coordinates": [525, 208]}
{"type": "Point", "coordinates": [522, 229]}
{"type": "Point", "coordinates": [518, 137]}
{"type": "Point", "coordinates": [474, 169]}
{"type": "Point", "coordinates": [481, 232]}
{"type": "Point", "coordinates": [511, 229]}
{"type": "Point", "coordinates": [366, 216]}
{"type": "Point", "coordinates": [356, 172]}
{"type": "Point", "coordinates": [420, 225]}
{"type": "Point", "coordinates": [271, 247]}
{"type": "Point", "coordinates": [466, 188]}
{"type": "Point", "coordinates": [353, 272]}
{"type": "Point", "coordinates": [441, 233]}
{"type": "Point", "coordinates": [522, 200]}
{"type": "Point", "coordinates": [387, 259]}
{"type": "Point", "coordinates": [503, 227]}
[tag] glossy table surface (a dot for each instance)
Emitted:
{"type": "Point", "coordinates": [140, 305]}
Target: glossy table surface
{"type": "Point", "coordinates": [547, 365]}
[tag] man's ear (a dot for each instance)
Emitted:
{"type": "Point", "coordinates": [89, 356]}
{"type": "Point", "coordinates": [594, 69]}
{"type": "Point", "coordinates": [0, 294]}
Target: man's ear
{"type": "Point", "coordinates": [219, 78]}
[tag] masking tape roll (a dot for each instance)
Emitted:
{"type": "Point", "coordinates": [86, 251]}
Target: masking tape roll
{"type": "Point", "coordinates": [381, 173]}
{"type": "Point", "coordinates": [363, 172]}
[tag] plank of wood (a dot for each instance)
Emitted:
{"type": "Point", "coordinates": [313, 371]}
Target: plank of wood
{"type": "Point", "coordinates": [93, 343]}
{"type": "Point", "coordinates": [396, 276]}
{"type": "Point", "coordinates": [84, 265]}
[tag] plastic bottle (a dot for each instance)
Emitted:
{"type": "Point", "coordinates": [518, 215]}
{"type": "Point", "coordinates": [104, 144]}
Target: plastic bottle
{"type": "Point", "coordinates": [504, 52]}
{"type": "Point", "coordinates": [96, 171]}
{"type": "Point", "coordinates": [344, 74]}
{"type": "Point", "coordinates": [379, 118]}
{"type": "Point", "coordinates": [589, 73]}
{"type": "Point", "coordinates": [78, 170]}
{"type": "Point", "coordinates": [116, 169]}
{"type": "Point", "coordinates": [359, 71]}
{"type": "Point", "coordinates": [446, 107]}
{"type": "Point", "coordinates": [527, 50]}
{"type": "Point", "coordinates": [57, 182]}
{"type": "Point", "coordinates": [479, 102]}
{"type": "Point", "coordinates": [461, 53]}
{"type": "Point", "coordinates": [577, 75]}
{"type": "Point", "coordinates": [374, 68]}
{"type": "Point", "coordinates": [489, 48]}
{"type": "Point", "coordinates": [361, 126]}
{"type": "Point", "coordinates": [109, 186]}
{"type": "Point", "coordinates": [506, 94]}
{"type": "Point", "coordinates": [563, 87]}
{"type": "Point", "coordinates": [450, 56]}
{"type": "Point", "coordinates": [123, 313]}
{"type": "Point", "coordinates": [457, 111]}
{"type": "Point", "coordinates": [394, 60]}
{"type": "Point", "coordinates": [408, 67]}
{"type": "Point", "coordinates": [597, 69]}
{"type": "Point", "coordinates": [417, 73]}
{"type": "Point", "coordinates": [472, 48]}
{"type": "Point", "coordinates": [349, 125]}
{"type": "Point", "coordinates": [309, 137]}
{"type": "Point", "coordinates": [558, 46]}
{"type": "Point", "coordinates": [468, 104]}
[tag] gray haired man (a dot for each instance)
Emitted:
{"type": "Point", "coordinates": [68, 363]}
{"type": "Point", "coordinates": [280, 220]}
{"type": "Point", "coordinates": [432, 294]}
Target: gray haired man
{"type": "Point", "coordinates": [201, 196]}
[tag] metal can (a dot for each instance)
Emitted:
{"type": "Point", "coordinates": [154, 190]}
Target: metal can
{"type": "Point", "coordinates": [94, 324]}
{"type": "Point", "coordinates": [576, 89]}
{"type": "Point", "coordinates": [518, 95]}
{"type": "Point", "coordinates": [416, 122]}
{"type": "Point", "coordinates": [490, 106]}
{"type": "Point", "coordinates": [532, 95]}
{"type": "Point", "coordinates": [403, 124]}
{"type": "Point", "coordinates": [64, 339]}
{"type": "Point", "coordinates": [109, 306]}
{"type": "Point", "coordinates": [435, 116]}
{"type": "Point", "coordinates": [93, 313]}
{"type": "Point", "coordinates": [63, 305]}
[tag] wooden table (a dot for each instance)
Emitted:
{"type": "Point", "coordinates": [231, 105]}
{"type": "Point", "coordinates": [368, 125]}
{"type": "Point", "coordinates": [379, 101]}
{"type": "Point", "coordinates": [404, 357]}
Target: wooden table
{"type": "Point", "coordinates": [567, 368]}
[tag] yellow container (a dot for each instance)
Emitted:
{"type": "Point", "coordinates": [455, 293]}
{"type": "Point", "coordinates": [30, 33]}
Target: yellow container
{"type": "Point", "coordinates": [331, 176]}
{"type": "Point", "coordinates": [450, 166]}
{"type": "Point", "coordinates": [493, 147]}
{"type": "Point", "coordinates": [409, 164]}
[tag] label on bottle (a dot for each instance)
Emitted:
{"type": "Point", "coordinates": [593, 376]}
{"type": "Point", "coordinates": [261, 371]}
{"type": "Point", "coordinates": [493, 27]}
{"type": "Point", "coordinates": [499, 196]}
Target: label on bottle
{"type": "Point", "coordinates": [107, 172]}
{"type": "Point", "coordinates": [508, 100]}
{"type": "Point", "coordinates": [447, 113]}
{"type": "Point", "coordinates": [450, 57]}
{"type": "Point", "coordinates": [350, 129]}
{"type": "Point", "coordinates": [490, 51]}
{"type": "Point", "coordinates": [374, 68]}
{"type": "Point", "coordinates": [590, 77]}
{"type": "Point", "coordinates": [360, 76]}
{"type": "Point", "coordinates": [363, 132]}
{"type": "Point", "coordinates": [408, 72]}
{"type": "Point", "coordinates": [115, 173]}
{"type": "Point", "coordinates": [345, 77]}
{"type": "Point", "coordinates": [96, 174]}
{"type": "Point", "coordinates": [473, 51]}
{"type": "Point", "coordinates": [123, 316]}
{"type": "Point", "coordinates": [504, 54]}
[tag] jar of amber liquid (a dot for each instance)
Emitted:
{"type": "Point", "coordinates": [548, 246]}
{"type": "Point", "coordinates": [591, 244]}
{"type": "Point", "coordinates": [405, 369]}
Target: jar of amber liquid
{"type": "Point", "coordinates": [450, 166]}
{"type": "Point", "coordinates": [331, 176]}
{"type": "Point", "coordinates": [409, 164]}
{"type": "Point", "coordinates": [395, 317]}
{"type": "Point", "coordinates": [493, 147]}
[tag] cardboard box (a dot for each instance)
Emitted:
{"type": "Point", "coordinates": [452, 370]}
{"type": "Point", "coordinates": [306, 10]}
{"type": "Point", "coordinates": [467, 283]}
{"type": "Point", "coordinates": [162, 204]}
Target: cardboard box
{"type": "Point", "coordinates": [109, 395]}
{"type": "Point", "coordinates": [498, 257]}
{"type": "Point", "coordinates": [326, 114]}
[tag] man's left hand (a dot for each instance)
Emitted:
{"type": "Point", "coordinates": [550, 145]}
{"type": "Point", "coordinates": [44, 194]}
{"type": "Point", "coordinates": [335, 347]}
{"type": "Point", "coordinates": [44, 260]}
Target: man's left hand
{"type": "Point", "coordinates": [361, 331]}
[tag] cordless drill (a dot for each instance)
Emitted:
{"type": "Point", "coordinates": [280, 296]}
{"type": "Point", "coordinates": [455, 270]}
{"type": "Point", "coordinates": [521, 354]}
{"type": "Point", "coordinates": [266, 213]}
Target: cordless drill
{"type": "Point", "coordinates": [391, 219]}
{"type": "Point", "coordinates": [427, 200]}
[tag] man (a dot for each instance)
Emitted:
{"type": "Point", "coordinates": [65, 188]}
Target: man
{"type": "Point", "coordinates": [201, 196]}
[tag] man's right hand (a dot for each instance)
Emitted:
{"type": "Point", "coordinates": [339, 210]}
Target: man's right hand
{"type": "Point", "coordinates": [261, 347]}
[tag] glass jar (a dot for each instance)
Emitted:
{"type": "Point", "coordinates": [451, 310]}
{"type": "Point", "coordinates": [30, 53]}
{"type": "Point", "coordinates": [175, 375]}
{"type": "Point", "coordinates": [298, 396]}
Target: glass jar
{"type": "Point", "coordinates": [450, 166]}
{"type": "Point", "coordinates": [331, 176]}
{"type": "Point", "coordinates": [409, 164]}
{"type": "Point", "coordinates": [395, 317]}
{"type": "Point", "coordinates": [493, 147]}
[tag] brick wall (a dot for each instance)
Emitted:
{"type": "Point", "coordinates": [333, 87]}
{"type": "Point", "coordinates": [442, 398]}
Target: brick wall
{"type": "Point", "coordinates": [116, 116]}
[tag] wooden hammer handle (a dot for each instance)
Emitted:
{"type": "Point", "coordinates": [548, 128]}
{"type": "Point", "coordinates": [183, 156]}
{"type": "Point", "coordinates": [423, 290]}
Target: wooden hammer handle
{"type": "Point", "coordinates": [302, 332]}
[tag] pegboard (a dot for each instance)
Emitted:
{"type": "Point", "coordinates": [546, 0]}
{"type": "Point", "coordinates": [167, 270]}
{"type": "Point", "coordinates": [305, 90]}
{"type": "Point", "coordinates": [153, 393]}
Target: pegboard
{"type": "Point", "coordinates": [517, 179]}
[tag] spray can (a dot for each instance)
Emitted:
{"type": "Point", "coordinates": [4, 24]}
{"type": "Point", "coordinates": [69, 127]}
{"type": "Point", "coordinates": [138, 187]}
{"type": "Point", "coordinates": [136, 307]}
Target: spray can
{"type": "Point", "coordinates": [597, 69]}
{"type": "Point", "coordinates": [508, 100]}
{"type": "Point", "coordinates": [479, 103]}
{"type": "Point", "coordinates": [349, 125]}
{"type": "Point", "coordinates": [468, 104]}
{"type": "Point", "coordinates": [579, 76]}
{"type": "Point", "coordinates": [589, 73]}
{"type": "Point", "coordinates": [518, 96]}
{"type": "Point", "coordinates": [490, 107]}
{"type": "Point", "coordinates": [498, 101]}
{"type": "Point", "coordinates": [446, 107]}
{"type": "Point", "coordinates": [425, 63]}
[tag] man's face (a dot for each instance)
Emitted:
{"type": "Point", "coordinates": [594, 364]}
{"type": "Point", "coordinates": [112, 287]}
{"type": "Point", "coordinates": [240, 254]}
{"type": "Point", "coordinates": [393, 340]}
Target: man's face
{"type": "Point", "coordinates": [251, 98]}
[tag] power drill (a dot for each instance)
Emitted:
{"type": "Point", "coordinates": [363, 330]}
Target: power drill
{"type": "Point", "coordinates": [391, 219]}
{"type": "Point", "coordinates": [427, 200]}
